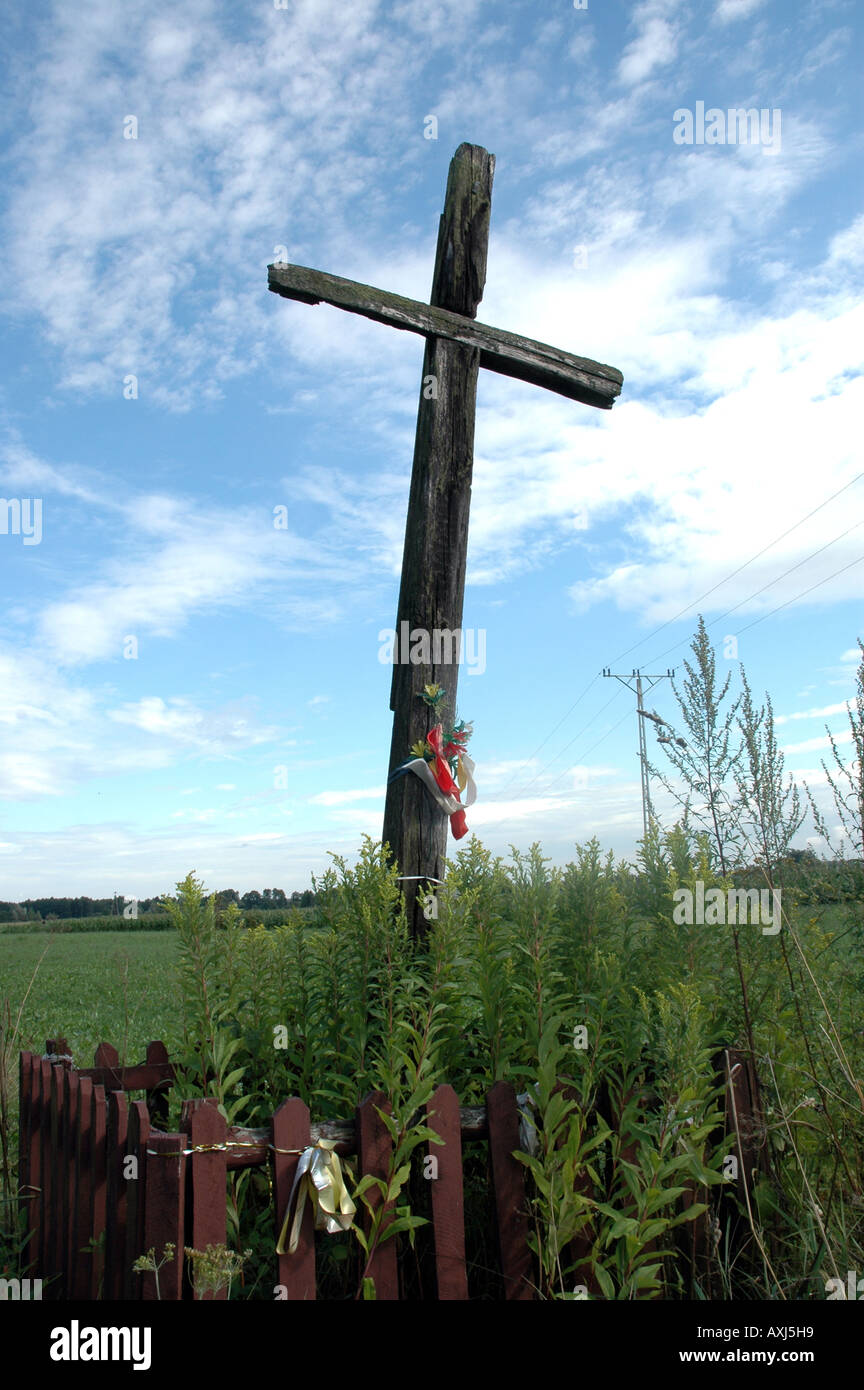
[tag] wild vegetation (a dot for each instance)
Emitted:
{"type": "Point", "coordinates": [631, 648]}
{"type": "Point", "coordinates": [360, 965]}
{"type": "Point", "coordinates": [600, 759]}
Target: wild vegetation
{"type": "Point", "coordinates": [582, 988]}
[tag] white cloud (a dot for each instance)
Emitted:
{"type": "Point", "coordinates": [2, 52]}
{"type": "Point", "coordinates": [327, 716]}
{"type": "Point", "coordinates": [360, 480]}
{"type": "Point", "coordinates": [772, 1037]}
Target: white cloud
{"type": "Point", "coordinates": [26, 473]}
{"type": "Point", "coordinates": [190, 558]}
{"type": "Point", "coordinates": [344, 798]}
{"type": "Point", "coordinates": [740, 349]}
{"type": "Point", "coordinates": [815, 745]}
{"type": "Point", "coordinates": [222, 731]}
{"type": "Point", "coordinates": [59, 735]}
{"type": "Point", "coordinates": [847, 247]}
{"type": "Point", "coordinates": [240, 122]}
{"type": "Point", "coordinates": [729, 10]}
{"type": "Point", "coordinates": [823, 713]}
{"type": "Point", "coordinates": [656, 46]}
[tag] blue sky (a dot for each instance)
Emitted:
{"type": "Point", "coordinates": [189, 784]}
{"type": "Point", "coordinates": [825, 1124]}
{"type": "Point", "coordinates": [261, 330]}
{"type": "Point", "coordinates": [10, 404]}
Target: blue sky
{"type": "Point", "coordinates": [722, 279]}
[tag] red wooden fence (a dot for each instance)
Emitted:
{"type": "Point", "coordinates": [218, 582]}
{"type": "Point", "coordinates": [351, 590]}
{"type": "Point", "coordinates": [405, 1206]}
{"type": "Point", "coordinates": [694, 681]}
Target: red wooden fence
{"type": "Point", "coordinates": [102, 1185]}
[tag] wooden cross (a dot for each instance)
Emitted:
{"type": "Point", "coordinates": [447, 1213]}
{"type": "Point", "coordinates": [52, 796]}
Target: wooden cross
{"type": "Point", "coordinates": [436, 531]}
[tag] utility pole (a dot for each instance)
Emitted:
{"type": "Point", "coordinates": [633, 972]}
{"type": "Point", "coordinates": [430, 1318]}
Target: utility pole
{"type": "Point", "coordinates": [637, 676]}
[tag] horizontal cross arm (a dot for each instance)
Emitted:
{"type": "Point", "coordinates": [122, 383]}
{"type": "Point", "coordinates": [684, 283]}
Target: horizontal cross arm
{"type": "Point", "coordinates": [576, 377]}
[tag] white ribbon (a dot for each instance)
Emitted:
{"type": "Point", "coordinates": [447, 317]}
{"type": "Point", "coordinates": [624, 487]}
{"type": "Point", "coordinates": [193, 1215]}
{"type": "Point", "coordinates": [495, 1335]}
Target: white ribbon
{"type": "Point", "coordinates": [318, 1172]}
{"type": "Point", "coordinates": [465, 777]}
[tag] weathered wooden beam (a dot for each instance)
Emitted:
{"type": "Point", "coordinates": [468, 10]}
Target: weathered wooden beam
{"type": "Point", "coordinates": [578, 378]}
{"type": "Point", "coordinates": [250, 1147]}
{"type": "Point", "coordinates": [145, 1076]}
{"type": "Point", "coordinates": [434, 556]}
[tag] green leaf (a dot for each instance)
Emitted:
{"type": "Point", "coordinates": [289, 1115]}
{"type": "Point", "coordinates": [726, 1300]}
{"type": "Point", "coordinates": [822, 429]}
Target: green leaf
{"type": "Point", "coordinates": [652, 1229]}
{"type": "Point", "coordinates": [690, 1214]}
{"type": "Point", "coordinates": [624, 1226]}
{"type": "Point", "coordinates": [645, 1278]}
{"type": "Point", "coordinates": [605, 1281]}
{"type": "Point", "coordinates": [398, 1181]}
{"type": "Point", "coordinates": [403, 1223]}
{"type": "Point", "coordinates": [369, 1181]}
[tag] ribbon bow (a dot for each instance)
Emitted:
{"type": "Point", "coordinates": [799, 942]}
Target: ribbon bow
{"type": "Point", "coordinates": [318, 1177]}
{"type": "Point", "coordinates": [439, 779]}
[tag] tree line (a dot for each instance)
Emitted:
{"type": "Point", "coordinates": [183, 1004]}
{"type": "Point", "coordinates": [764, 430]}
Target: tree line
{"type": "Point", "coordinates": [60, 909]}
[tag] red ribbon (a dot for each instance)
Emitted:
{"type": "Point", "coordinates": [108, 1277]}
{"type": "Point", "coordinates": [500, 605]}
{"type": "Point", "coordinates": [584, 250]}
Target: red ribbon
{"type": "Point", "coordinates": [444, 778]}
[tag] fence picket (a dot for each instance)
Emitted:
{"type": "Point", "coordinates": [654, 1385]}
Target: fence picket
{"type": "Point", "coordinates": [164, 1213]}
{"type": "Point", "coordinates": [70, 1121]}
{"type": "Point", "coordinates": [205, 1126]}
{"type": "Point", "coordinates": [45, 1171]}
{"type": "Point", "coordinates": [138, 1137]}
{"type": "Point", "coordinates": [116, 1187]}
{"type": "Point", "coordinates": [373, 1156]}
{"type": "Point", "coordinates": [448, 1202]}
{"type": "Point", "coordinates": [296, 1273]}
{"type": "Point", "coordinates": [80, 1188]}
{"type": "Point", "coordinates": [57, 1197]}
{"type": "Point", "coordinates": [98, 1194]}
{"type": "Point", "coordinates": [509, 1184]}
{"type": "Point", "coordinates": [29, 1149]}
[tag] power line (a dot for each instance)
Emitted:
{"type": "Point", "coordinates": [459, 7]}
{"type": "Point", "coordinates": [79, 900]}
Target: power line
{"type": "Point", "coordinates": [585, 754]}
{"type": "Point", "coordinates": [581, 697]}
{"type": "Point", "coordinates": [791, 570]}
{"type": "Point", "coordinates": [752, 559]}
{"type": "Point", "coordinates": [527, 786]}
{"type": "Point", "coordinates": [521, 792]}
{"type": "Point", "coordinates": [601, 739]}
{"type": "Point", "coordinates": [851, 564]}
{"type": "Point", "coordinates": [770, 585]}
{"type": "Point", "coordinates": [500, 795]}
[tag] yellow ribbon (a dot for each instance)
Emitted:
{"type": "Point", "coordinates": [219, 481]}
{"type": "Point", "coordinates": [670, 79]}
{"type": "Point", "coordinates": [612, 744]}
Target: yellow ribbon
{"type": "Point", "coordinates": [318, 1177]}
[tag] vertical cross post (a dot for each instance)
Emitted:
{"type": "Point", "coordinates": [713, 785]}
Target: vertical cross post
{"type": "Point", "coordinates": [436, 534]}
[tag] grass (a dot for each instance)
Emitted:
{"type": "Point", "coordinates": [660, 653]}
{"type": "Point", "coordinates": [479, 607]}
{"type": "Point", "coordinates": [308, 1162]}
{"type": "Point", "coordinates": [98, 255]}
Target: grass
{"type": "Point", "coordinates": [119, 987]}
{"type": "Point", "coordinates": [116, 987]}
{"type": "Point", "coordinates": [511, 949]}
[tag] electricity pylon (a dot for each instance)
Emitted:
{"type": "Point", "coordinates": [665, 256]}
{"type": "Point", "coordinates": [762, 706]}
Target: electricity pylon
{"type": "Point", "coordinates": [637, 676]}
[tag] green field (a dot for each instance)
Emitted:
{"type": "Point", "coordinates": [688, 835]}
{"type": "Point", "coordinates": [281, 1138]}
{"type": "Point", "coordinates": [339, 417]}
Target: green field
{"type": "Point", "coordinates": [119, 987]}
{"type": "Point", "coordinates": [116, 987]}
